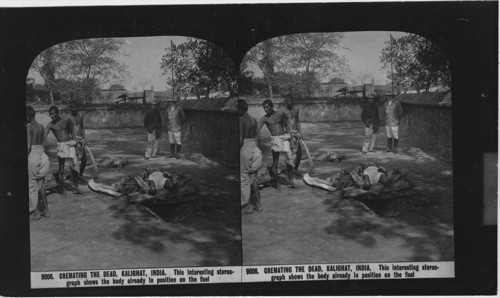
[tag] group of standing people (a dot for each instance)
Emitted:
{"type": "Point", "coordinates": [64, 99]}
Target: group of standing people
{"type": "Point", "coordinates": [153, 123]}
{"type": "Point", "coordinates": [286, 138]}
{"type": "Point", "coordinates": [286, 135]}
{"type": "Point", "coordinates": [370, 116]}
{"type": "Point", "coordinates": [70, 136]}
{"type": "Point", "coordinates": [71, 144]}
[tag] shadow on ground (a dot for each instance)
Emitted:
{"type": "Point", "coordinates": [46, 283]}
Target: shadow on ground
{"type": "Point", "coordinates": [95, 231]}
{"type": "Point", "coordinates": [303, 226]}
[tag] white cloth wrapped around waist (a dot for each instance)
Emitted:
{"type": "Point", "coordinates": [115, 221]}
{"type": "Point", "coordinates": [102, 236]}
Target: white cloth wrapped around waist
{"type": "Point", "coordinates": [281, 143]}
{"type": "Point", "coordinates": [66, 149]}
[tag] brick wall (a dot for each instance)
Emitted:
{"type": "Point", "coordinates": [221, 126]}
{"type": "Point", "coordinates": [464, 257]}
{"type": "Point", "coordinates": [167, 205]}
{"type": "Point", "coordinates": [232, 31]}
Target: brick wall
{"type": "Point", "coordinates": [214, 123]}
{"type": "Point", "coordinates": [428, 119]}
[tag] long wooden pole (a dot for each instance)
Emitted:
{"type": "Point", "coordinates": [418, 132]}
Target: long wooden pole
{"type": "Point", "coordinates": [309, 158]}
{"type": "Point", "coordinates": [392, 70]}
{"type": "Point", "coordinates": [173, 77]}
{"type": "Point", "coordinates": [94, 164]}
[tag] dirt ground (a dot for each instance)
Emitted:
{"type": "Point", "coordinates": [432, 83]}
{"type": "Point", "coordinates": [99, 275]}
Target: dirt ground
{"type": "Point", "coordinates": [300, 226]}
{"type": "Point", "coordinates": [96, 231]}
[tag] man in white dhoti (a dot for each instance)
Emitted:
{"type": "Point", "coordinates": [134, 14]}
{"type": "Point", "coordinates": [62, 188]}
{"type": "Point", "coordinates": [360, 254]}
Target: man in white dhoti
{"type": "Point", "coordinates": [250, 160]}
{"type": "Point", "coordinates": [276, 122]}
{"type": "Point", "coordinates": [65, 134]}
{"type": "Point", "coordinates": [38, 166]}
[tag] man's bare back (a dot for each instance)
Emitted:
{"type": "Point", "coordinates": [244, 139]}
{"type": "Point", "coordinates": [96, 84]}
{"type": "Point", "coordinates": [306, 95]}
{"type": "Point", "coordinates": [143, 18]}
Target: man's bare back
{"type": "Point", "coordinates": [248, 127]}
{"type": "Point", "coordinates": [36, 133]}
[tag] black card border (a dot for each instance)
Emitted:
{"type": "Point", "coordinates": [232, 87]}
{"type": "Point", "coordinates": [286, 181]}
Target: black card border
{"type": "Point", "coordinates": [467, 31]}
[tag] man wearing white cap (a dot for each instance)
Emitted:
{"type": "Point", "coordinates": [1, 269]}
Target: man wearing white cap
{"type": "Point", "coordinates": [393, 115]}
{"type": "Point", "coordinates": [176, 119]}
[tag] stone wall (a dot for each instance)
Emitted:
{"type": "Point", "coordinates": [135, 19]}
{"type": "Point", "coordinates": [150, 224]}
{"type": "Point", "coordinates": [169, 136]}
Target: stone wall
{"type": "Point", "coordinates": [213, 122]}
{"type": "Point", "coordinates": [428, 116]}
{"type": "Point", "coordinates": [315, 110]}
{"type": "Point", "coordinates": [102, 116]}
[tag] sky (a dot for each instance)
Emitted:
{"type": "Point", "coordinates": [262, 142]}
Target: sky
{"type": "Point", "coordinates": [144, 57]}
{"type": "Point", "coordinates": [362, 51]}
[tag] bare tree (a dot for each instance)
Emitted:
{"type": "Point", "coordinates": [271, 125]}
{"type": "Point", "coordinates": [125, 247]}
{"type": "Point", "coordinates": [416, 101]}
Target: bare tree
{"type": "Point", "coordinates": [96, 59]}
{"type": "Point", "coordinates": [303, 57]}
{"type": "Point", "coordinates": [266, 55]}
{"type": "Point", "coordinates": [49, 64]}
{"type": "Point", "coordinates": [415, 62]}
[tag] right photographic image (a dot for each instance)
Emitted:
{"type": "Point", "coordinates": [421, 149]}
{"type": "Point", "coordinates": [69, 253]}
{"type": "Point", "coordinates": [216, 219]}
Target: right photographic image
{"type": "Point", "coordinates": [346, 150]}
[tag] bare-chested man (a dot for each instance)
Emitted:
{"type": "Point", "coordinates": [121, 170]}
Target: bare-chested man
{"type": "Point", "coordinates": [65, 134]}
{"type": "Point", "coordinates": [38, 166]}
{"type": "Point", "coordinates": [76, 120]}
{"type": "Point", "coordinates": [293, 123]}
{"type": "Point", "coordinates": [277, 123]}
{"type": "Point", "coordinates": [250, 160]}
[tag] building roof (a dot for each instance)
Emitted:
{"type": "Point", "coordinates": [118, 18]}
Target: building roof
{"type": "Point", "coordinates": [427, 98]}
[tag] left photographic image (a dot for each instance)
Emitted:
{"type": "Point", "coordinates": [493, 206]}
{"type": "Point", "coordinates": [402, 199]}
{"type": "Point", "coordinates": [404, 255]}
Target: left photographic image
{"type": "Point", "coordinates": [133, 160]}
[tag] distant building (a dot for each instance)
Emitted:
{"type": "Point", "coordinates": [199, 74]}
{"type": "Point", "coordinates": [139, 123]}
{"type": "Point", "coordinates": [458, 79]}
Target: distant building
{"type": "Point", "coordinates": [329, 89]}
{"type": "Point", "coordinates": [362, 90]}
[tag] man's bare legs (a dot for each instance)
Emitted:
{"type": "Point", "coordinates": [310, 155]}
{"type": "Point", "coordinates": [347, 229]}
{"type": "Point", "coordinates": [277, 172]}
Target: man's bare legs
{"type": "Point", "coordinates": [44, 206]}
{"type": "Point", "coordinates": [83, 163]}
{"type": "Point", "coordinates": [298, 158]}
{"type": "Point", "coordinates": [274, 169]}
{"type": "Point", "coordinates": [256, 194]}
{"type": "Point", "coordinates": [60, 174]}
{"type": "Point", "coordinates": [289, 171]}
{"type": "Point", "coordinates": [75, 175]}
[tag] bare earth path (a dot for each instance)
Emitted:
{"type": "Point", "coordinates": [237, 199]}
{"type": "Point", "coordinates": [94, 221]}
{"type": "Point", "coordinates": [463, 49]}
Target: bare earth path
{"type": "Point", "coordinates": [95, 231]}
{"type": "Point", "coordinates": [297, 226]}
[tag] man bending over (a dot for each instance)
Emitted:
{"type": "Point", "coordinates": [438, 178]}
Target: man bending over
{"type": "Point", "coordinates": [276, 122]}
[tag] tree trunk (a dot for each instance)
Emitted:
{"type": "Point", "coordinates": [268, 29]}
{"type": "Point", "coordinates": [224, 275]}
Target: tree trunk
{"type": "Point", "coordinates": [417, 86]}
{"type": "Point", "coordinates": [51, 96]}
{"type": "Point", "coordinates": [270, 87]}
